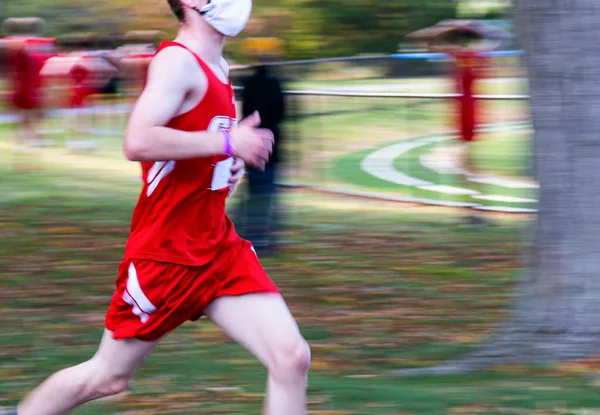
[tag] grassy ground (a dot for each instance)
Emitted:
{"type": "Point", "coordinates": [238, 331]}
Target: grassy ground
{"type": "Point", "coordinates": [504, 154]}
{"type": "Point", "coordinates": [326, 149]}
{"type": "Point", "coordinates": [348, 127]}
{"type": "Point", "coordinates": [373, 286]}
{"type": "Point", "coordinates": [499, 153]}
{"type": "Point", "coordinates": [350, 124]}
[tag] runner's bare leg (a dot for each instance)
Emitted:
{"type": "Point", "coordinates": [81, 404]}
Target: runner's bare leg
{"type": "Point", "coordinates": [107, 373]}
{"type": "Point", "coordinates": [263, 324]}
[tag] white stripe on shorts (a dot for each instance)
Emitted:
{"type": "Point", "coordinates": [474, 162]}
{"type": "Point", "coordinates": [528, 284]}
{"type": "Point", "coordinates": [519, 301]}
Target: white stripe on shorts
{"type": "Point", "coordinates": [134, 296]}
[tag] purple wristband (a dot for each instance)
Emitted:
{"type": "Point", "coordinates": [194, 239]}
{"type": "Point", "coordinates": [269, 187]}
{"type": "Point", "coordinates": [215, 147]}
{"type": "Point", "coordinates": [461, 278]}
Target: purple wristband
{"type": "Point", "coordinates": [228, 144]}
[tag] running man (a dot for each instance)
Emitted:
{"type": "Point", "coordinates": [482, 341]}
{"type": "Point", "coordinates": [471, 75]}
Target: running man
{"type": "Point", "coordinates": [183, 258]}
{"type": "Point", "coordinates": [470, 68]}
{"type": "Point", "coordinates": [28, 99]}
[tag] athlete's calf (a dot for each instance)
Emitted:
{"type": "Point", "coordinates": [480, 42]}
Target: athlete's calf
{"type": "Point", "coordinates": [107, 373]}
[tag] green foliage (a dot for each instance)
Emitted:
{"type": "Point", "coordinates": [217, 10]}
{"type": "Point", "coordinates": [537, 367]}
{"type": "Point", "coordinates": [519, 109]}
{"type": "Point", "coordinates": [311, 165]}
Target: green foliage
{"type": "Point", "coordinates": [375, 27]}
{"type": "Point", "coordinates": [323, 28]}
{"type": "Point", "coordinates": [310, 28]}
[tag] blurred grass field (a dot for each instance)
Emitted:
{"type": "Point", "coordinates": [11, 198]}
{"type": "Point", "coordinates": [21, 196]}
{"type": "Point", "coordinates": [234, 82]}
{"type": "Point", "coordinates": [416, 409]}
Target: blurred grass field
{"type": "Point", "coordinates": [374, 286]}
{"type": "Point", "coordinates": [504, 154]}
{"type": "Point", "coordinates": [327, 149]}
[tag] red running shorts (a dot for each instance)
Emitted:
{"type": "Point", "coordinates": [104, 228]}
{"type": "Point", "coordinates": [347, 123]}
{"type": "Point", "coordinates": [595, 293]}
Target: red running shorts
{"type": "Point", "coordinates": [154, 298]}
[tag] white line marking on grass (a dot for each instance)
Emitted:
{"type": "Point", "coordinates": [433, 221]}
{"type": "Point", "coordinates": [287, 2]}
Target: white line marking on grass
{"type": "Point", "coordinates": [508, 183]}
{"type": "Point", "coordinates": [506, 199]}
{"type": "Point", "coordinates": [505, 209]}
{"type": "Point", "coordinates": [448, 164]}
{"type": "Point", "coordinates": [380, 164]}
{"type": "Point", "coordinates": [450, 190]}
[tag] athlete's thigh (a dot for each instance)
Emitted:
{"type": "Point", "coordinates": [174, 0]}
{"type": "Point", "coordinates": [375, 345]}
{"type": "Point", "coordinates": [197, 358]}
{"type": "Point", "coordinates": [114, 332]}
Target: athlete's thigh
{"type": "Point", "coordinates": [122, 357]}
{"type": "Point", "coordinates": [260, 322]}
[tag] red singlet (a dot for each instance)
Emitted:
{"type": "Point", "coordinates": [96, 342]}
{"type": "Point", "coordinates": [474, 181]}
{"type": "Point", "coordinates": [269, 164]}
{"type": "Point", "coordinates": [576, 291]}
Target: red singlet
{"type": "Point", "coordinates": [27, 80]}
{"type": "Point", "coordinates": [468, 64]}
{"type": "Point", "coordinates": [183, 252]}
{"type": "Point", "coordinates": [179, 218]}
{"type": "Point", "coordinates": [81, 89]}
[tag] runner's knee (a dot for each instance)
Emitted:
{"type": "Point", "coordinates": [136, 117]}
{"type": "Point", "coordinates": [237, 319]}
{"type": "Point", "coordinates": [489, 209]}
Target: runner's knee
{"type": "Point", "coordinates": [112, 385]}
{"type": "Point", "coordinates": [103, 381]}
{"type": "Point", "coordinates": [290, 359]}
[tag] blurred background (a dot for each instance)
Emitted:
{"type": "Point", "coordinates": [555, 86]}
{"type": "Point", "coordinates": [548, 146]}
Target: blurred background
{"type": "Point", "coordinates": [391, 216]}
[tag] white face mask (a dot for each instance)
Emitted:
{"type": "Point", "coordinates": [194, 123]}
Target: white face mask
{"type": "Point", "coordinates": [228, 17]}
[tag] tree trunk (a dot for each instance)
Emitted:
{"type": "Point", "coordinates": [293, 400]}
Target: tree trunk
{"type": "Point", "coordinates": [560, 304]}
{"type": "Point", "coordinates": [557, 314]}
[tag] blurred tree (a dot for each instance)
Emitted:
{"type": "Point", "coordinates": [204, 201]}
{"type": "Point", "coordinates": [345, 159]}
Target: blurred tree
{"type": "Point", "coordinates": [67, 17]}
{"type": "Point", "coordinates": [558, 313]}
{"type": "Point", "coordinates": [310, 28]}
{"type": "Point", "coordinates": [363, 26]}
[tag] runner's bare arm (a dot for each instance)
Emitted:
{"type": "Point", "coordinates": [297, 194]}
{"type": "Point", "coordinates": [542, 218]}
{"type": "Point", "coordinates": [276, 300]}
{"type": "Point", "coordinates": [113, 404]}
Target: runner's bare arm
{"type": "Point", "coordinates": [169, 82]}
{"type": "Point", "coordinates": [171, 77]}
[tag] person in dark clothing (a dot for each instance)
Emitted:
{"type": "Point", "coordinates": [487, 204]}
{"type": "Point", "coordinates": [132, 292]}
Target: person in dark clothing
{"type": "Point", "coordinates": [263, 93]}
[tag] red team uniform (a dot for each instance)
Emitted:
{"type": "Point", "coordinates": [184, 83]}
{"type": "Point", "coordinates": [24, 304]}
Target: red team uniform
{"type": "Point", "coordinates": [469, 64]}
{"type": "Point", "coordinates": [27, 80]}
{"type": "Point", "coordinates": [81, 89]}
{"type": "Point", "coordinates": [183, 251]}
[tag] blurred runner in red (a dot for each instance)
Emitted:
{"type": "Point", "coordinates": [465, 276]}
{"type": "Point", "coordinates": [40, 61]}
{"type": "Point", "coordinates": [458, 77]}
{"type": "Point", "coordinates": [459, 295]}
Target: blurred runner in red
{"type": "Point", "coordinates": [28, 57]}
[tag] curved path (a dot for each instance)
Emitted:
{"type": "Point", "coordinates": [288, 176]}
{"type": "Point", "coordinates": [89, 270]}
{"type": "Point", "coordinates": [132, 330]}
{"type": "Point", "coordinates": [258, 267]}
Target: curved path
{"type": "Point", "coordinates": [380, 164]}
